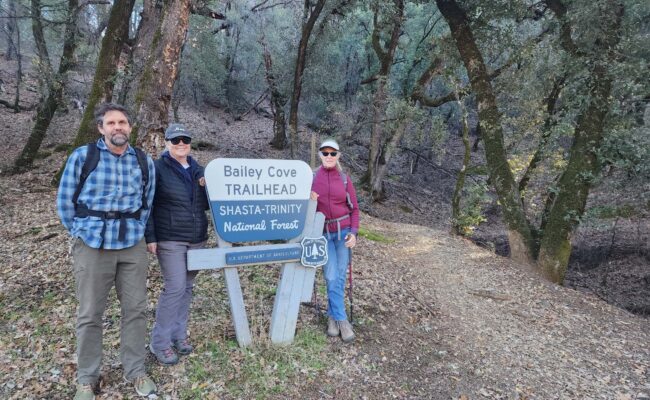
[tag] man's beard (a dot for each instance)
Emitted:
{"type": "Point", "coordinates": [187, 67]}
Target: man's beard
{"type": "Point", "coordinates": [119, 139]}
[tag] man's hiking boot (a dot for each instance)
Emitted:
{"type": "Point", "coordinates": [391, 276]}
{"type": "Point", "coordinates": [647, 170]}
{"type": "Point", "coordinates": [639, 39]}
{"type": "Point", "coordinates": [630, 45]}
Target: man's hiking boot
{"type": "Point", "coordinates": [144, 386]}
{"type": "Point", "coordinates": [332, 327]}
{"type": "Point", "coordinates": [346, 331]}
{"type": "Point", "coordinates": [167, 356]}
{"type": "Point", "coordinates": [85, 392]}
{"type": "Point", "coordinates": [183, 347]}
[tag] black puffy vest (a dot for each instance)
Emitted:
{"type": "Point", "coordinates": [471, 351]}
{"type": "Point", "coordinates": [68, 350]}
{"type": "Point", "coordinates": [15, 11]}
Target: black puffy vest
{"type": "Point", "coordinates": [174, 217]}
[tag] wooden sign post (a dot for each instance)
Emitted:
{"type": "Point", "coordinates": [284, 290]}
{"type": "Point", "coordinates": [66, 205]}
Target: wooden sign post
{"type": "Point", "coordinates": [260, 200]}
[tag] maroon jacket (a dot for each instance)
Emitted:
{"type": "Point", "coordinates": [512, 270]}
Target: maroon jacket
{"type": "Point", "coordinates": [332, 202]}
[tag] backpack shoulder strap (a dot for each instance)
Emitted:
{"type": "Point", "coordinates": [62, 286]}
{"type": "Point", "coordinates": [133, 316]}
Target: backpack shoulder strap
{"type": "Point", "coordinates": [144, 167]}
{"type": "Point", "coordinates": [92, 159]}
{"type": "Point", "coordinates": [344, 177]}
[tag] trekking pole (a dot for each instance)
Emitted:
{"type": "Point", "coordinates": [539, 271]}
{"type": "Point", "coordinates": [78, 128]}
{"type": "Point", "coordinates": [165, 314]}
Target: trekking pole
{"type": "Point", "coordinates": [350, 286]}
{"type": "Point", "coordinates": [315, 301]}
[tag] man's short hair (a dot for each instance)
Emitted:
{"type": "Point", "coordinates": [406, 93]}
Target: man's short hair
{"type": "Point", "coordinates": [103, 108]}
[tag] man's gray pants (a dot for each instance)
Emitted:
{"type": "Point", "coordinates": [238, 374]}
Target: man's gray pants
{"type": "Point", "coordinates": [96, 271]}
{"type": "Point", "coordinates": [173, 308]}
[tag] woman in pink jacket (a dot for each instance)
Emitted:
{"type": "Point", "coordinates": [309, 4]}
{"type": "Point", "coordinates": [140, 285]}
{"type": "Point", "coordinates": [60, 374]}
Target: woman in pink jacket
{"type": "Point", "coordinates": [337, 199]}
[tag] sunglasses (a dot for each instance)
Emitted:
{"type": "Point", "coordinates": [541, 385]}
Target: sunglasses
{"type": "Point", "coordinates": [329, 153]}
{"type": "Point", "coordinates": [184, 139]}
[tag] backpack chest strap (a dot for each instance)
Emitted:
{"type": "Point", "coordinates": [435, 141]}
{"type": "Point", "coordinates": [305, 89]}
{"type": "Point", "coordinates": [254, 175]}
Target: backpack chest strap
{"type": "Point", "coordinates": [82, 212]}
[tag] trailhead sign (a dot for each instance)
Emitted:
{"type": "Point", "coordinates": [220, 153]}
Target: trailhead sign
{"type": "Point", "coordinates": [255, 200]}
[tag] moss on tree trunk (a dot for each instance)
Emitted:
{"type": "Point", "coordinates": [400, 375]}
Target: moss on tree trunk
{"type": "Point", "coordinates": [573, 187]}
{"type": "Point", "coordinates": [55, 96]}
{"type": "Point", "coordinates": [104, 80]}
{"type": "Point", "coordinates": [522, 244]}
{"type": "Point", "coordinates": [310, 16]}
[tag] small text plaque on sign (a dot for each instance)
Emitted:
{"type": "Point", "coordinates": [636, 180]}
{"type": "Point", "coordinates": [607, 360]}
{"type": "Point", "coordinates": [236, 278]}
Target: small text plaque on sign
{"type": "Point", "coordinates": [263, 256]}
{"type": "Point", "coordinates": [255, 200]}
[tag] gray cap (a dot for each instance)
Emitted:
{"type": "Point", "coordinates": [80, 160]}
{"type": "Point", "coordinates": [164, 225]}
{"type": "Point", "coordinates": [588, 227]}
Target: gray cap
{"type": "Point", "coordinates": [329, 143]}
{"type": "Point", "coordinates": [176, 130]}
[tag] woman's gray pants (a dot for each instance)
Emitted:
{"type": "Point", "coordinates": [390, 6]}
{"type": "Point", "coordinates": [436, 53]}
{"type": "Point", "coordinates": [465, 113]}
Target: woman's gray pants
{"type": "Point", "coordinates": [173, 308]}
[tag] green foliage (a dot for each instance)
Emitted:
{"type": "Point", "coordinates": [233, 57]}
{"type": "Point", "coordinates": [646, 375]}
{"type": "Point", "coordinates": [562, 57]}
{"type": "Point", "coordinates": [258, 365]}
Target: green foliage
{"type": "Point", "coordinates": [478, 170]}
{"type": "Point", "coordinates": [471, 209]}
{"type": "Point", "coordinates": [260, 371]}
{"type": "Point", "coordinates": [612, 211]}
{"type": "Point", "coordinates": [374, 236]}
{"type": "Point", "coordinates": [628, 149]}
{"type": "Point", "coordinates": [203, 72]}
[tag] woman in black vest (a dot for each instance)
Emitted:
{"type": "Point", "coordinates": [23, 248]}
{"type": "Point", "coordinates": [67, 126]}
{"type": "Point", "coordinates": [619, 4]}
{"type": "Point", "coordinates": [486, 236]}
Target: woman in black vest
{"type": "Point", "coordinates": [177, 224]}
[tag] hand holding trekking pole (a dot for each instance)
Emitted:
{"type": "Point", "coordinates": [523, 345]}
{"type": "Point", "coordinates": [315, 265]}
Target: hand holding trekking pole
{"type": "Point", "coordinates": [350, 240]}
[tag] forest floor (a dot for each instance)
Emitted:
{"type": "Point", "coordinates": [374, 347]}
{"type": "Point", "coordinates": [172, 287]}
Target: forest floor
{"type": "Point", "coordinates": [436, 316]}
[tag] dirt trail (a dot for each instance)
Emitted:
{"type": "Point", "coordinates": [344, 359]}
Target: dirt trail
{"type": "Point", "coordinates": [445, 319]}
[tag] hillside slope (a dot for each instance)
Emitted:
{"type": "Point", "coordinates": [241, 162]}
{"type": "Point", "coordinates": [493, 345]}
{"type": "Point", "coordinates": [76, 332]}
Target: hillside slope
{"type": "Point", "coordinates": [436, 318]}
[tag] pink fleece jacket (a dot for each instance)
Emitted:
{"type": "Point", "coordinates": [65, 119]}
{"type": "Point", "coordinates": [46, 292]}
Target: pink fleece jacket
{"type": "Point", "coordinates": [329, 185]}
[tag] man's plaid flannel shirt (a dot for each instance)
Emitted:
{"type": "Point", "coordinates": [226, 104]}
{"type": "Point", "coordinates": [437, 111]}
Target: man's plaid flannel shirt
{"type": "Point", "coordinates": [115, 185]}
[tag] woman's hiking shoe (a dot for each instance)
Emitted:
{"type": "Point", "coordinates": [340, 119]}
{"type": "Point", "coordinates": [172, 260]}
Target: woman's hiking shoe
{"type": "Point", "coordinates": [144, 386]}
{"type": "Point", "coordinates": [85, 392]}
{"type": "Point", "coordinates": [332, 327]}
{"type": "Point", "coordinates": [167, 356]}
{"type": "Point", "coordinates": [346, 331]}
{"type": "Point", "coordinates": [183, 347]}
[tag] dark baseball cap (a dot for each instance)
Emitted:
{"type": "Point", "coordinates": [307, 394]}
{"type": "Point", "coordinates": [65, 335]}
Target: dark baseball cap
{"type": "Point", "coordinates": [176, 130]}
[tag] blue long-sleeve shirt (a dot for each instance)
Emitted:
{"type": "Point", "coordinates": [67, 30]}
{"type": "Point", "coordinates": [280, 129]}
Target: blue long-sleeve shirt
{"type": "Point", "coordinates": [115, 185]}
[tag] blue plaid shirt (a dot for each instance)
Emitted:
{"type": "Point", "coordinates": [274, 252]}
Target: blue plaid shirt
{"type": "Point", "coordinates": [115, 185]}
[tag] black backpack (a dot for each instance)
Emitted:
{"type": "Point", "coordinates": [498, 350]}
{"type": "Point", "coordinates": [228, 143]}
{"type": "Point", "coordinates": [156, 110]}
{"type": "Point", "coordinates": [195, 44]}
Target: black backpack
{"type": "Point", "coordinates": [92, 159]}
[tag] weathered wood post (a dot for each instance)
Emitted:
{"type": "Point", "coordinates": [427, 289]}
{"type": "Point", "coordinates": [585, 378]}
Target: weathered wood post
{"type": "Point", "coordinates": [261, 200]}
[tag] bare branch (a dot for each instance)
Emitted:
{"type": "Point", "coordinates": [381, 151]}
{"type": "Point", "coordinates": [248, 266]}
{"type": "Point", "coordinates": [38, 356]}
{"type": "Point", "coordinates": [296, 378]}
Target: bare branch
{"type": "Point", "coordinates": [94, 2]}
{"type": "Point", "coordinates": [222, 27]}
{"type": "Point", "coordinates": [203, 10]}
{"type": "Point", "coordinates": [560, 10]}
{"type": "Point", "coordinates": [261, 6]}
{"type": "Point", "coordinates": [369, 80]}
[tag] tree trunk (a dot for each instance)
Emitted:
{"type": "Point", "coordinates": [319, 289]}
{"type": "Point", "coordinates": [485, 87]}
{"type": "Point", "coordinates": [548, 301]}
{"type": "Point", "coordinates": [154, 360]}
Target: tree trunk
{"type": "Point", "coordinates": [377, 161]}
{"type": "Point", "coordinates": [141, 50]}
{"type": "Point", "coordinates": [45, 75]}
{"type": "Point", "coordinates": [102, 90]}
{"type": "Point", "coordinates": [375, 184]}
{"type": "Point", "coordinates": [48, 107]}
{"type": "Point", "coordinates": [386, 153]}
{"type": "Point", "coordinates": [278, 100]}
{"type": "Point", "coordinates": [551, 102]}
{"type": "Point", "coordinates": [309, 19]}
{"type": "Point", "coordinates": [522, 245]}
{"type": "Point", "coordinates": [576, 180]}
{"type": "Point", "coordinates": [158, 78]}
{"type": "Point", "coordinates": [232, 92]}
{"type": "Point", "coordinates": [460, 180]}
{"type": "Point", "coordinates": [19, 72]}
{"type": "Point", "coordinates": [11, 27]}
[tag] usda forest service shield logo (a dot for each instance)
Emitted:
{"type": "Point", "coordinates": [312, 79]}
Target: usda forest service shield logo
{"type": "Point", "coordinates": [314, 251]}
